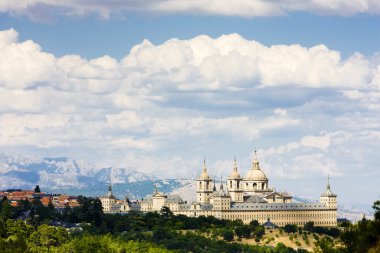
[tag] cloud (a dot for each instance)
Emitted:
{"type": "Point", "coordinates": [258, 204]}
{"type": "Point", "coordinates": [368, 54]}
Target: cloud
{"type": "Point", "coordinates": [321, 142]}
{"type": "Point", "coordinates": [162, 107]}
{"type": "Point", "coordinates": [241, 8]}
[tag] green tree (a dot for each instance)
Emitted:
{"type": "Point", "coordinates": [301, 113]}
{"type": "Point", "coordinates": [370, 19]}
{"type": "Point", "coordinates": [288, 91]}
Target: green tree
{"type": "Point", "coordinates": [6, 210]}
{"type": "Point", "coordinates": [228, 235]}
{"type": "Point", "coordinates": [254, 223]}
{"type": "Point", "coordinates": [37, 189]}
{"type": "Point", "coordinates": [46, 237]}
{"type": "Point", "coordinates": [165, 212]}
{"type": "Point", "coordinates": [290, 228]}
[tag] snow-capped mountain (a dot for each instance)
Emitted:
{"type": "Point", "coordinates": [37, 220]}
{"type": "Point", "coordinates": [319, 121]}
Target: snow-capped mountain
{"type": "Point", "coordinates": [17, 171]}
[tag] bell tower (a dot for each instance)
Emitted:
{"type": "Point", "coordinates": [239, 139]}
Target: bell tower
{"type": "Point", "coordinates": [235, 184]}
{"type": "Point", "coordinates": [204, 186]}
{"type": "Point", "coordinates": [328, 197]}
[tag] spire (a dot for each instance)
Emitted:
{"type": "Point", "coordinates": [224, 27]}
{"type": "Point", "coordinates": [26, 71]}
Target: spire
{"type": "Point", "coordinates": [155, 189]}
{"type": "Point", "coordinates": [255, 163]}
{"type": "Point", "coordinates": [328, 192]}
{"type": "Point", "coordinates": [328, 182]}
{"type": "Point", "coordinates": [234, 174]}
{"type": "Point", "coordinates": [110, 190]}
{"type": "Point", "coordinates": [204, 175]}
{"type": "Point", "coordinates": [221, 183]}
{"type": "Point", "coordinates": [214, 188]}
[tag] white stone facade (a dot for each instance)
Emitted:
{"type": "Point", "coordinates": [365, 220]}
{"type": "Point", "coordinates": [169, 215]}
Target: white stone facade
{"type": "Point", "coordinates": [247, 199]}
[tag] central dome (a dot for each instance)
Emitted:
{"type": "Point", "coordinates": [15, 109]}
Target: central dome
{"type": "Point", "coordinates": [255, 174]}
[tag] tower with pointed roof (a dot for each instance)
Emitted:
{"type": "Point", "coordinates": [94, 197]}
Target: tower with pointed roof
{"type": "Point", "coordinates": [235, 184]}
{"type": "Point", "coordinates": [204, 185]}
{"type": "Point", "coordinates": [108, 201]}
{"type": "Point", "coordinates": [109, 194]}
{"type": "Point", "coordinates": [255, 181]}
{"type": "Point", "coordinates": [328, 197]}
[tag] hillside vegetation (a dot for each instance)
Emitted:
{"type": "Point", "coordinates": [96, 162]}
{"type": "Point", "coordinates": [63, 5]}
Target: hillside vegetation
{"type": "Point", "coordinates": [165, 232]}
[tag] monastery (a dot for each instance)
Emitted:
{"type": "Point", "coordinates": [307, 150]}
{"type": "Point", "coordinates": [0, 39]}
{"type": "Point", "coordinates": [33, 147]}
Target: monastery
{"type": "Point", "coordinates": [246, 198]}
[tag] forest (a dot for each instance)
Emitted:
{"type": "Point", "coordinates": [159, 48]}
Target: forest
{"type": "Point", "coordinates": [159, 231]}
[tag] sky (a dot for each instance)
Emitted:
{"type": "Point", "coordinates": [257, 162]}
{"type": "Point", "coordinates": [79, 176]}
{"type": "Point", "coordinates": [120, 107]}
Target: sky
{"type": "Point", "coordinates": [159, 85]}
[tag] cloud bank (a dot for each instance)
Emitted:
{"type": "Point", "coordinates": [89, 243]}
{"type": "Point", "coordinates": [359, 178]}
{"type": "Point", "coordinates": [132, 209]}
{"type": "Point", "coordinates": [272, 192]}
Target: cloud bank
{"type": "Point", "coordinates": [161, 108]}
{"type": "Point", "coordinates": [40, 9]}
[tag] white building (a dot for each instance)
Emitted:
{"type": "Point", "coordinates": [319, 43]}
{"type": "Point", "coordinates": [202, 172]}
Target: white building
{"type": "Point", "coordinates": [112, 205]}
{"type": "Point", "coordinates": [247, 199]}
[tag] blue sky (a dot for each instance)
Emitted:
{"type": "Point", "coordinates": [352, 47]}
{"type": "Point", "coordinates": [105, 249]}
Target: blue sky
{"type": "Point", "coordinates": [158, 85]}
{"type": "Point", "coordinates": [117, 35]}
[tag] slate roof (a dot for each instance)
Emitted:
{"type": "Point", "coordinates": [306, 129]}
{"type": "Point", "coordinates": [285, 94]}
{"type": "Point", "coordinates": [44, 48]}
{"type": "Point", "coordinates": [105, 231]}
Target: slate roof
{"type": "Point", "coordinates": [254, 199]}
{"type": "Point", "coordinates": [174, 199]}
{"type": "Point", "coordinates": [277, 206]}
{"type": "Point", "coordinates": [269, 224]}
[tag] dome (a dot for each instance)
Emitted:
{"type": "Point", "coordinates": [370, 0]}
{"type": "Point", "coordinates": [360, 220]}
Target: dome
{"type": "Point", "coordinates": [255, 173]}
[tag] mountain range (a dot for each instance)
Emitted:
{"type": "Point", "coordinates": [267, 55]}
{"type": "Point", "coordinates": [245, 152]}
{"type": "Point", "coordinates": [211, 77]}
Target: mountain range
{"type": "Point", "coordinates": [65, 175]}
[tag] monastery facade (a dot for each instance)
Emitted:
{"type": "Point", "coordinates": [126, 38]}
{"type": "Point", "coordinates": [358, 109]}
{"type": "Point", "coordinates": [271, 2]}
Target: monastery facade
{"type": "Point", "coordinates": [246, 198]}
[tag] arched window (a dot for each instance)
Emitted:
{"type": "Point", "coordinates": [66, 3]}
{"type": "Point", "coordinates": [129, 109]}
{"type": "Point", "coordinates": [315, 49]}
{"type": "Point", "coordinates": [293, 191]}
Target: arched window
{"type": "Point", "coordinates": [254, 185]}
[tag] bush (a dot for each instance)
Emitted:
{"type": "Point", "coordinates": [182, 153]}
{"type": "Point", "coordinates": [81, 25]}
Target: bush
{"type": "Point", "coordinates": [298, 243]}
{"type": "Point", "coordinates": [291, 238]}
{"type": "Point", "coordinates": [257, 239]}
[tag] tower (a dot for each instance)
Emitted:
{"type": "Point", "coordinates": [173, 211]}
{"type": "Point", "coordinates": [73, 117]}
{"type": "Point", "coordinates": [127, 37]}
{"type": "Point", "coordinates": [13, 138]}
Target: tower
{"type": "Point", "coordinates": [328, 197]}
{"type": "Point", "coordinates": [204, 185]}
{"type": "Point", "coordinates": [108, 201]}
{"type": "Point", "coordinates": [109, 194]}
{"type": "Point", "coordinates": [235, 185]}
